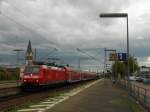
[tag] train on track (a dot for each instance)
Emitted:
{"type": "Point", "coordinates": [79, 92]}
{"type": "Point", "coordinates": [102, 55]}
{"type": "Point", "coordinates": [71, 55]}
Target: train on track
{"type": "Point", "coordinates": [40, 75]}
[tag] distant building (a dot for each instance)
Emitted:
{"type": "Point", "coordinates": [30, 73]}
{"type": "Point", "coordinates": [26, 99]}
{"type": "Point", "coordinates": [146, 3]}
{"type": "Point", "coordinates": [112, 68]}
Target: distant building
{"type": "Point", "coordinates": [145, 72]}
{"type": "Point", "coordinates": [144, 69]}
{"type": "Point", "coordinates": [29, 54]}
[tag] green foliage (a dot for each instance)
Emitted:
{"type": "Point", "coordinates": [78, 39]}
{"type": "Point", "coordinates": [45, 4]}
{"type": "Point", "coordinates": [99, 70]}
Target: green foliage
{"type": "Point", "coordinates": [8, 75]}
{"type": "Point", "coordinates": [120, 68]}
{"type": "Point", "coordinates": [133, 64]}
{"type": "Point", "coordinates": [3, 75]}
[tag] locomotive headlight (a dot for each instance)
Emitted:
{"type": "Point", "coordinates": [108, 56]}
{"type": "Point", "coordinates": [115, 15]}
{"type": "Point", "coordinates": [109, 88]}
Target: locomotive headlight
{"type": "Point", "coordinates": [37, 80]}
{"type": "Point", "coordinates": [24, 80]}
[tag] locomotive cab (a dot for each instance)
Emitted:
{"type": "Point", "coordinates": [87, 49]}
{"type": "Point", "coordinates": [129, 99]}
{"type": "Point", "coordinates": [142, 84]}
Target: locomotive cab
{"type": "Point", "coordinates": [31, 75]}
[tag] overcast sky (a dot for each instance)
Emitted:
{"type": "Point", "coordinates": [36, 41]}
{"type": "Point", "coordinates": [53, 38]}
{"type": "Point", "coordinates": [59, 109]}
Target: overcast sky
{"type": "Point", "coordinates": [70, 24]}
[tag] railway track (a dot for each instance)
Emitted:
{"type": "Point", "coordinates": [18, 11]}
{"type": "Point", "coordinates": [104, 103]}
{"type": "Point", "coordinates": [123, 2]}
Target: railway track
{"type": "Point", "coordinates": [23, 99]}
{"type": "Point", "coordinates": [8, 84]}
{"type": "Point", "coordinates": [9, 93]}
{"type": "Point", "coordinates": [8, 89]}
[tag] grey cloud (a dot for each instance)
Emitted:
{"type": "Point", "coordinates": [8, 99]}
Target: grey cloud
{"type": "Point", "coordinates": [68, 24]}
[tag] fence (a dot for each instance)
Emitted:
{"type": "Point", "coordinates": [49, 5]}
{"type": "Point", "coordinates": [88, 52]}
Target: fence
{"type": "Point", "coordinates": [139, 93]}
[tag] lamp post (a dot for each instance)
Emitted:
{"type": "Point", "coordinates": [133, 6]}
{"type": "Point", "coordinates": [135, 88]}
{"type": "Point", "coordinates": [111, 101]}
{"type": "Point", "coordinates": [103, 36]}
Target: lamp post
{"type": "Point", "coordinates": [17, 58]}
{"type": "Point", "coordinates": [120, 15]}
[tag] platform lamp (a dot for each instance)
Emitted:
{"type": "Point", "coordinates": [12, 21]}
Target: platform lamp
{"type": "Point", "coordinates": [120, 15]}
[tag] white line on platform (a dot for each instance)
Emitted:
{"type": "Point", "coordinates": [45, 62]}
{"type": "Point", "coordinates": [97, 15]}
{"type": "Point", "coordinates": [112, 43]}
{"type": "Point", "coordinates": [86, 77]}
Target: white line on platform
{"type": "Point", "coordinates": [40, 105]}
{"type": "Point", "coordinates": [30, 110]}
{"type": "Point", "coordinates": [46, 102]}
{"type": "Point", "coordinates": [52, 99]}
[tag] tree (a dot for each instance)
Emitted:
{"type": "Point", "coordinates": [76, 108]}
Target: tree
{"type": "Point", "coordinates": [133, 65]}
{"type": "Point", "coordinates": [120, 68]}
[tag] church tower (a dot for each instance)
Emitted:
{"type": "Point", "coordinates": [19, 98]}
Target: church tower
{"type": "Point", "coordinates": [29, 54]}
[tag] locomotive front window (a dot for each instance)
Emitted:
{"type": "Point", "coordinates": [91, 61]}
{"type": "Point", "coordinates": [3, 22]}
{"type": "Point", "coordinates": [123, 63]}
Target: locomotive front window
{"type": "Point", "coordinates": [32, 69]}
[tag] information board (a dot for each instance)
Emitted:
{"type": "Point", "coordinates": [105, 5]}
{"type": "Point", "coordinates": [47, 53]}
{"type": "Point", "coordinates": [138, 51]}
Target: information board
{"type": "Point", "coordinates": [122, 56]}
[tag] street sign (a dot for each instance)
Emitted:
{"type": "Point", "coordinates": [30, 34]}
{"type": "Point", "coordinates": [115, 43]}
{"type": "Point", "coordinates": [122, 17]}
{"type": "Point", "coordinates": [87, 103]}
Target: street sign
{"type": "Point", "coordinates": [122, 56]}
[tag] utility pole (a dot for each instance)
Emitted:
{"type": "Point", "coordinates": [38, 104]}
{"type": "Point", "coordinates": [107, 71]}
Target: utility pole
{"type": "Point", "coordinates": [133, 63]}
{"type": "Point", "coordinates": [79, 67]}
{"type": "Point", "coordinates": [0, 6]}
{"type": "Point", "coordinates": [35, 54]}
{"type": "Point", "coordinates": [105, 60]}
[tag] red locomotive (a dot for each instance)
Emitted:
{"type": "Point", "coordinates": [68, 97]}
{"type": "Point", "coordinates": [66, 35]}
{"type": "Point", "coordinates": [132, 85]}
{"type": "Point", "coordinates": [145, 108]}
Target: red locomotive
{"type": "Point", "coordinates": [47, 75]}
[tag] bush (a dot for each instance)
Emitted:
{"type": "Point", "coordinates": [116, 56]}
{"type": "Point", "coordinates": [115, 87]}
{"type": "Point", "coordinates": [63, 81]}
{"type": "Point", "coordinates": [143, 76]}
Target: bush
{"type": "Point", "coordinates": [6, 74]}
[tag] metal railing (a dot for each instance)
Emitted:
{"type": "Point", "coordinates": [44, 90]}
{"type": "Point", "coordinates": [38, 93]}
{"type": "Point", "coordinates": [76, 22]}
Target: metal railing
{"type": "Point", "coordinates": [139, 93]}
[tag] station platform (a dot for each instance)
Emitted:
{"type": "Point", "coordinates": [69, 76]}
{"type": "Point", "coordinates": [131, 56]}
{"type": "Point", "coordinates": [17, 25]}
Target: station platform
{"type": "Point", "coordinates": [100, 97]}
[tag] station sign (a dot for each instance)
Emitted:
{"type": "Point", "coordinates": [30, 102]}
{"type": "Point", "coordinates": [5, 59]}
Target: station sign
{"type": "Point", "coordinates": [118, 56]}
{"type": "Point", "coordinates": [112, 56]}
{"type": "Point", "coordinates": [122, 56]}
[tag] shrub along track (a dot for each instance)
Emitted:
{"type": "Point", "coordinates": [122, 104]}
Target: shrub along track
{"type": "Point", "coordinates": [25, 98]}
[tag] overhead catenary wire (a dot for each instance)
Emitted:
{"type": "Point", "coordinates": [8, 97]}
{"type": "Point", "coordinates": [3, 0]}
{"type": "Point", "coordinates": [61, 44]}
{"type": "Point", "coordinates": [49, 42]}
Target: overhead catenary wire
{"type": "Point", "coordinates": [45, 56]}
{"type": "Point", "coordinates": [92, 57]}
{"type": "Point", "coordinates": [99, 52]}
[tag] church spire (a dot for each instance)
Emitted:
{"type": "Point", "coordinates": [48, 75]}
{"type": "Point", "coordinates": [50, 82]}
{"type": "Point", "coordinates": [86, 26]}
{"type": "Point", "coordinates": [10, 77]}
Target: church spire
{"type": "Point", "coordinates": [29, 48]}
{"type": "Point", "coordinates": [29, 54]}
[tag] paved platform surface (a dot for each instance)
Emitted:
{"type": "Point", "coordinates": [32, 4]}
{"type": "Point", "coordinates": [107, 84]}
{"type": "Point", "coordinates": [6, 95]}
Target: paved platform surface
{"type": "Point", "coordinates": [101, 97]}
